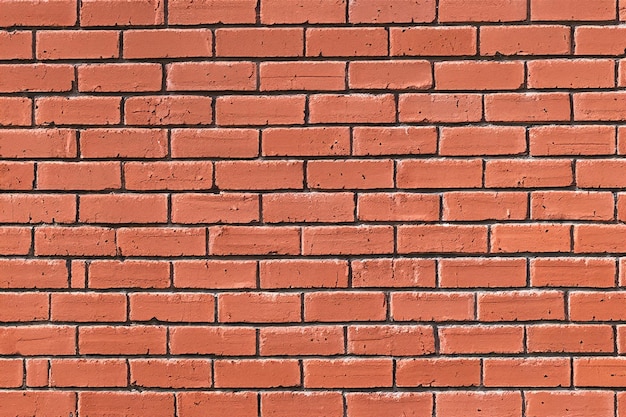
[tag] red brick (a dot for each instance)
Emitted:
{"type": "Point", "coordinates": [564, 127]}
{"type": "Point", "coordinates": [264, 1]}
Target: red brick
{"type": "Point", "coordinates": [440, 108]}
{"type": "Point", "coordinates": [347, 373]}
{"type": "Point", "coordinates": [126, 13]}
{"type": "Point", "coordinates": [307, 141]}
{"type": "Point", "coordinates": [215, 143]}
{"type": "Point", "coordinates": [88, 373]}
{"type": "Point", "coordinates": [16, 44]}
{"type": "Point", "coordinates": [597, 306]}
{"type": "Point", "coordinates": [255, 373]}
{"type": "Point", "coordinates": [479, 206]}
{"type": "Point", "coordinates": [570, 338]}
{"type": "Point", "coordinates": [199, 404]}
{"type": "Point", "coordinates": [347, 240]}
{"type": "Point", "coordinates": [600, 173]}
{"type": "Point", "coordinates": [129, 274]}
{"type": "Point", "coordinates": [409, 140]}
{"type": "Point", "coordinates": [187, 308]}
{"type": "Point", "coordinates": [390, 75]}
{"type": "Point", "coordinates": [16, 78]}
{"type": "Point", "coordinates": [122, 340]}
{"type": "Point", "coordinates": [605, 106]}
{"type": "Point", "coordinates": [311, 75]}
{"type": "Point", "coordinates": [123, 208]}
{"type": "Point", "coordinates": [168, 373]}
{"type": "Point", "coordinates": [572, 10]}
{"type": "Point", "coordinates": [521, 306]}
{"type": "Point", "coordinates": [35, 13]}
{"type": "Point", "coordinates": [486, 11]}
{"type": "Point", "coordinates": [303, 274]}
{"type": "Point", "coordinates": [38, 340]}
{"type": "Point", "coordinates": [352, 108]}
{"type": "Point", "coordinates": [77, 110]}
{"type": "Point", "coordinates": [396, 272]}
{"type": "Point", "coordinates": [73, 241]}
{"type": "Point", "coordinates": [37, 372]}
{"type": "Point", "coordinates": [344, 306]}
{"type": "Point", "coordinates": [23, 306]}
{"type": "Point", "coordinates": [409, 404]}
{"type": "Point", "coordinates": [566, 73]}
{"type": "Point", "coordinates": [88, 307]}
{"type": "Point", "coordinates": [543, 237]}
{"type": "Point", "coordinates": [527, 107]}
{"type": "Point", "coordinates": [572, 205]}
{"type": "Point", "coordinates": [40, 403]}
{"type": "Point", "coordinates": [527, 372]}
{"type": "Point", "coordinates": [481, 339]}
{"type": "Point", "coordinates": [313, 404]}
{"type": "Point", "coordinates": [259, 110]}
{"type": "Point", "coordinates": [259, 42]}
{"type": "Point", "coordinates": [87, 176]}
{"type": "Point", "coordinates": [433, 41]}
{"type": "Point", "coordinates": [156, 241]}
{"type": "Point", "coordinates": [303, 11]}
{"type": "Point", "coordinates": [571, 140]}
{"type": "Point", "coordinates": [17, 175]}
{"type": "Point", "coordinates": [398, 207]}
{"type": "Point", "coordinates": [488, 273]}
{"type": "Point", "coordinates": [600, 40]}
{"type": "Point", "coordinates": [478, 404]}
{"type": "Point", "coordinates": [391, 340]}
{"type": "Point", "coordinates": [439, 173]}
{"type": "Point", "coordinates": [15, 111]}
{"type": "Point", "coordinates": [254, 240]}
{"type": "Point", "coordinates": [305, 340]}
{"type": "Point", "coordinates": [441, 239]}
{"type": "Point", "coordinates": [168, 110]}
{"type": "Point", "coordinates": [123, 143]}
{"type": "Point", "coordinates": [599, 238]}
{"type": "Point", "coordinates": [169, 175]}
{"type": "Point", "coordinates": [525, 40]}
{"type": "Point", "coordinates": [222, 341]}
{"type": "Point", "coordinates": [391, 11]}
{"type": "Point", "coordinates": [259, 175]}
{"type": "Point", "coordinates": [348, 42]}
{"type": "Point", "coordinates": [15, 240]}
{"type": "Point", "coordinates": [308, 207]}
{"type": "Point", "coordinates": [550, 403]}
{"type": "Point", "coordinates": [215, 274]}
{"type": "Point", "coordinates": [599, 372]}
{"type": "Point", "coordinates": [215, 208]}
{"type": "Point", "coordinates": [119, 77]}
{"type": "Point", "coordinates": [33, 273]}
{"type": "Point", "coordinates": [37, 143]}
{"type": "Point", "coordinates": [432, 306]}
{"type": "Point", "coordinates": [168, 43]}
{"type": "Point", "coordinates": [350, 174]}
{"type": "Point", "coordinates": [482, 140]}
{"type": "Point", "coordinates": [73, 44]}
{"type": "Point", "coordinates": [211, 76]}
{"type": "Point", "coordinates": [439, 372]}
{"type": "Point", "coordinates": [572, 272]}
{"type": "Point", "coordinates": [259, 308]}
{"type": "Point", "coordinates": [479, 75]}
{"type": "Point", "coordinates": [194, 12]}
{"type": "Point", "coordinates": [528, 173]}
{"type": "Point", "coordinates": [129, 404]}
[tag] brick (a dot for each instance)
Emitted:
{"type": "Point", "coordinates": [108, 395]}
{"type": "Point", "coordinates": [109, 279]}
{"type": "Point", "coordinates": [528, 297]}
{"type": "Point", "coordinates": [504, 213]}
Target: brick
{"type": "Point", "coordinates": [165, 307]}
{"type": "Point", "coordinates": [432, 306]}
{"type": "Point", "coordinates": [527, 372]}
{"type": "Point", "coordinates": [88, 373]}
{"type": "Point", "coordinates": [441, 239]}
{"type": "Point", "coordinates": [482, 140]}
{"type": "Point", "coordinates": [42, 403]}
{"type": "Point", "coordinates": [37, 143]}
{"type": "Point", "coordinates": [130, 404]}
{"type": "Point", "coordinates": [568, 205]}
{"type": "Point", "coordinates": [571, 338]}
{"type": "Point", "coordinates": [533, 238]}
{"type": "Point", "coordinates": [73, 44]}
{"type": "Point", "coordinates": [156, 241]}
{"type": "Point", "coordinates": [123, 208]}
{"type": "Point", "coordinates": [303, 11]}
{"type": "Point", "coordinates": [477, 404]}
{"type": "Point", "coordinates": [489, 11]}
{"type": "Point", "coordinates": [15, 240]}
{"type": "Point", "coordinates": [478, 75]}
{"type": "Point", "coordinates": [438, 108]}
{"type": "Point", "coordinates": [391, 340]}
{"type": "Point", "coordinates": [77, 110]}
{"type": "Point", "coordinates": [215, 274]}
{"type": "Point", "coordinates": [578, 73]}
{"type": "Point", "coordinates": [121, 340]}
{"type": "Point", "coordinates": [255, 373]}
{"type": "Point", "coordinates": [599, 372]}
{"type": "Point", "coordinates": [600, 173]}
{"type": "Point", "coordinates": [605, 106]}
{"type": "Point", "coordinates": [211, 76]}
{"type": "Point", "coordinates": [393, 272]}
{"type": "Point", "coordinates": [254, 240]}
{"type": "Point", "coordinates": [527, 107]}
{"type": "Point", "coordinates": [228, 341]}
{"type": "Point", "coordinates": [343, 306]}
{"type": "Point", "coordinates": [129, 274]}
{"type": "Point", "coordinates": [314, 404]}
{"type": "Point", "coordinates": [74, 241]}
{"type": "Point", "coordinates": [550, 403]}
{"type": "Point", "coordinates": [394, 11]}
{"type": "Point", "coordinates": [259, 110]}
{"type": "Point", "coordinates": [521, 306]}
{"type": "Point", "coordinates": [259, 175]}
{"type": "Point", "coordinates": [572, 10]}
{"type": "Point", "coordinates": [303, 75]}
{"type": "Point", "coordinates": [309, 207]}
{"type": "Point", "coordinates": [215, 143]}
{"type": "Point", "coordinates": [306, 141]}
{"type": "Point", "coordinates": [23, 306]}
{"type": "Point", "coordinates": [398, 207]}
{"type": "Point", "coordinates": [259, 308]}
{"type": "Point", "coordinates": [481, 339]}
{"type": "Point", "coordinates": [390, 75]}
{"type": "Point", "coordinates": [259, 42]}
{"type": "Point", "coordinates": [305, 340]}
{"type": "Point", "coordinates": [127, 13]}
{"type": "Point", "coordinates": [480, 206]}
{"type": "Point", "coordinates": [439, 372]}
{"type": "Point", "coordinates": [119, 77]}
{"type": "Point", "coordinates": [525, 40]}
{"type": "Point", "coordinates": [123, 143]}
{"type": "Point", "coordinates": [598, 238]}
{"type": "Point", "coordinates": [303, 274]}
{"type": "Point", "coordinates": [168, 175]}
{"type": "Point", "coordinates": [410, 404]}
{"type": "Point", "coordinates": [37, 372]}
{"type": "Point", "coordinates": [600, 40]}
{"type": "Point", "coordinates": [347, 240]}
{"type": "Point", "coordinates": [17, 175]}
{"type": "Point", "coordinates": [487, 273]}
{"type": "Point", "coordinates": [346, 42]}
{"type": "Point", "coordinates": [352, 108]}
{"type": "Point", "coordinates": [87, 176]}
{"type": "Point", "coordinates": [347, 373]}
{"type": "Point", "coordinates": [596, 306]}
{"type": "Point", "coordinates": [409, 140]}
{"type": "Point", "coordinates": [194, 12]}
{"type": "Point", "coordinates": [88, 307]}
{"type": "Point", "coordinates": [15, 111]}
{"type": "Point", "coordinates": [33, 273]}
{"type": "Point", "coordinates": [528, 173]}
{"type": "Point", "coordinates": [572, 272]}
{"type": "Point", "coordinates": [168, 43]}
{"type": "Point", "coordinates": [35, 13]}
{"type": "Point", "coordinates": [621, 206]}
{"type": "Point", "coordinates": [439, 173]}
{"type": "Point", "coordinates": [168, 373]}
{"type": "Point", "coordinates": [16, 78]}
{"type": "Point", "coordinates": [215, 208]}
{"type": "Point", "coordinates": [38, 340]}
{"type": "Point", "coordinates": [571, 140]}
{"type": "Point", "coordinates": [168, 110]}
{"type": "Point", "coordinates": [197, 404]}
{"type": "Point", "coordinates": [433, 41]}
{"type": "Point", "coordinates": [350, 174]}
{"type": "Point", "coordinates": [16, 44]}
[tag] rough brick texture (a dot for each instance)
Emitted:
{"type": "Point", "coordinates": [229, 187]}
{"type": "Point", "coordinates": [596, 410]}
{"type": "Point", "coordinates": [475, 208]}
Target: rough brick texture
{"type": "Point", "coordinates": [339, 208]}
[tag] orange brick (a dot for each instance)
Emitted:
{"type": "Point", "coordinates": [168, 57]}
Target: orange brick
{"type": "Point", "coordinates": [258, 308]}
{"type": "Point", "coordinates": [565, 73]}
{"type": "Point", "coordinates": [570, 338]}
{"type": "Point", "coordinates": [488, 11]}
{"type": "Point", "coordinates": [350, 174]}
{"type": "Point", "coordinates": [308, 207]}
{"type": "Point", "coordinates": [215, 143]}
{"type": "Point", "coordinates": [374, 404]}
{"type": "Point", "coordinates": [479, 75]}
{"type": "Point", "coordinates": [528, 173]}
{"type": "Point", "coordinates": [479, 206]}
{"type": "Point", "coordinates": [306, 340]}
{"type": "Point", "coordinates": [228, 341]}
{"type": "Point", "coordinates": [306, 141]}
{"type": "Point", "coordinates": [36, 77]}
{"type": "Point", "coordinates": [303, 11]}
{"type": "Point", "coordinates": [390, 75]}
{"type": "Point", "coordinates": [433, 41]}
{"type": "Point", "coordinates": [521, 306]}
{"type": "Point", "coordinates": [391, 11]}
{"type": "Point", "coordinates": [439, 173]}
{"type": "Point", "coordinates": [15, 111]}
{"type": "Point", "coordinates": [544, 237]}
{"type": "Point", "coordinates": [409, 140]}
{"type": "Point", "coordinates": [440, 108]}
{"type": "Point", "coordinates": [119, 77]}
{"type": "Point", "coordinates": [605, 106]}
{"type": "Point", "coordinates": [489, 273]}
{"type": "Point", "coordinates": [194, 12]}
{"type": "Point", "coordinates": [285, 76]}
{"type": "Point", "coordinates": [550, 403]}
{"type": "Point", "coordinates": [255, 373]}
{"type": "Point", "coordinates": [347, 240]}
{"type": "Point", "coordinates": [215, 208]}
{"type": "Point", "coordinates": [572, 205]}
{"type": "Point", "coordinates": [215, 274]}
{"type": "Point", "coordinates": [188, 308]}
{"type": "Point", "coordinates": [391, 340]}
{"type": "Point", "coordinates": [571, 140]}
{"type": "Point", "coordinates": [35, 13]}
{"type": "Point", "coordinates": [314, 404]}
{"type": "Point", "coordinates": [477, 404]}
{"type": "Point", "coordinates": [527, 107]}
{"type": "Point", "coordinates": [75, 44]}
{"type": "Point", "coordinates": [346, 42]}
{"type": "Point", "coordinates": [259, 110]}
{"type": "Point", "coordinates": [123, 143]}
{"type": "Point", "coordinates": [155, 241]}
{"type": "Point", "coordinates": [211, 76]}
{"type": "Point", "coordinates": [259, 42]}
{"type": "Point", "coordinates": [441, 239]}
{"type": "Point", "coordinates": [481, 339]}
{"type": "Point", "coordinates": [343, 306]}
{"type": "Point", "coordinates": [572, 272]}
{"type": "Point", "coordinates": [439, 372]}
{"type": "Point", "coordinates": [303, 274]}
{"type": "Point", "coordinates": [398, 207]}
{"type": "Point", "coordinates": [254, 240]}
{"type": "Point", "coordinates": [527, 372]}
{"type": "Point", "coordinates": [525, 40]}
{"type": "Point", "coordinates": [167, 43]}
{"type": "Point", "coordinates": [162, 175]}
{"type": "Point", "coordinates": [397, 272]}
{"type": "Point", "coordinates": [77, 110]}
{"type": "Point", "coordinates": [126, 13]}
{"type": "Point", "coordinates": [572, 10]}
{"type": "Point", "coordinates": [482, 140]}
{"type": "Point", "coordinates": [168, 373]}
{"type": "Point", "coordinates": [347, 373]}
{"type": "Point", "coordinates": [352, 108]}
{"type": "Point", "coordinates": [168, 110]}
{"type": "Point", "coordinates": [432, 306]}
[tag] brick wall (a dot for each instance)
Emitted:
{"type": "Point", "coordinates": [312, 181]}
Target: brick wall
{"type": "Point", "coordinates": [340, 208]}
